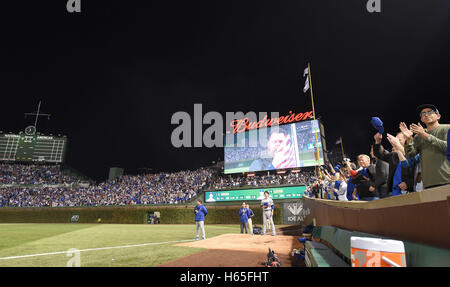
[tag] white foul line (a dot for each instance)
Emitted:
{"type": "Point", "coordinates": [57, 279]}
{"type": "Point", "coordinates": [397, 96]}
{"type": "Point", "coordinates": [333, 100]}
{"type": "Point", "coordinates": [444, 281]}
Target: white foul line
{"type": "Point", "coordinates": [92, 249]}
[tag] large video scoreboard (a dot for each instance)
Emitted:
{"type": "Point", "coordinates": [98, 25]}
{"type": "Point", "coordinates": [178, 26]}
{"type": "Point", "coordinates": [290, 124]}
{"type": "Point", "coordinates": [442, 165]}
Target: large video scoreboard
{"type": "Point", "coordinates": [32, 148]}
{"type": "Point", "coordinates": [281, 147]}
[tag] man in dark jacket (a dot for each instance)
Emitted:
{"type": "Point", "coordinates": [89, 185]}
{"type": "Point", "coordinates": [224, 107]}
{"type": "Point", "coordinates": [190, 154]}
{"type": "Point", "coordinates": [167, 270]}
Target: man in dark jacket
{"type": "Point", "coordinates": [400, 180]}
{"type": "Point", "coordinates": [365, 180]}
{"type": "Point", "coordinates": [381, 177]}
{"type": "Point", "coordinates": [315, 189]}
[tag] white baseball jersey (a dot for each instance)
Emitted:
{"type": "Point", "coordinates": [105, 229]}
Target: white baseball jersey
{"type": "Point", "coordinates": [269, 205]}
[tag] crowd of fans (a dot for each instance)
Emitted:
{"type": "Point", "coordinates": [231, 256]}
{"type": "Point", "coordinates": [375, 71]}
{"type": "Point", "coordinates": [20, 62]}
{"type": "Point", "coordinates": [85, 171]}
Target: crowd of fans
{"type": "Point", "coordinates": [33, 174]}
{"type": "Point", "coordinates": [225, 182]}
{"type": "Point", "coordinates": [161, 188]}
{"type": "Point", "coordinates": [419, 158]}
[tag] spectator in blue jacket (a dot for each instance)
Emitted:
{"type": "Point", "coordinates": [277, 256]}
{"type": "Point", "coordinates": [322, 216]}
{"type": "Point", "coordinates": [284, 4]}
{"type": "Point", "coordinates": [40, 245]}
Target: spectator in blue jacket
{"type": "Point", "coordinates": [243, 213]}
{"type": "Point", "coordinates": [350, 185]}
{"type": "Point", "coordinates": [412, 163]}
{"type": "Point", "coordinates": [200, 212]}
{"type": "Point", "coordinates": [350, 189]}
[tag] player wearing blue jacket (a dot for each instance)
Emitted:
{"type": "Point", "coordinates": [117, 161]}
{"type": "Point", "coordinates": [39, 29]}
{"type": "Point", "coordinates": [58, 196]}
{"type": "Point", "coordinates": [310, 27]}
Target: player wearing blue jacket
{"type": "Point", "coordinates": [200, 212]}
{"type": "Point", "coordinates": [243, 213]}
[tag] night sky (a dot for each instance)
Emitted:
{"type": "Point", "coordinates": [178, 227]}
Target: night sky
{"type": "Point", "coordinates": [113, 75]}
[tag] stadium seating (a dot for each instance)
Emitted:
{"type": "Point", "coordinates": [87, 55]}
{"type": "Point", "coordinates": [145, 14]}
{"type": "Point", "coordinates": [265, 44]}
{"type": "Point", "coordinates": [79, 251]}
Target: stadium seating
{"type": "Point", "coordinates": [33, 174]}
{"type": "Point", "coordinates": [35, 185]}
{"type": "Point", "coordinates": [45, 185]}
{"type": "Point", "coordinates": [264, 179]}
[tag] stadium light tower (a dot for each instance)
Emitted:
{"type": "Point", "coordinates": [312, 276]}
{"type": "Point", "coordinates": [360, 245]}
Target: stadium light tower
{"type": "Point", "coordinates": [37, 114]}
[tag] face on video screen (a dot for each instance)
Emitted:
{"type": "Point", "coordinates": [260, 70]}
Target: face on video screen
{"type": "Point", "coordinates": [280, 147]}
{"type": "Point", "coordinates": [276, 142]}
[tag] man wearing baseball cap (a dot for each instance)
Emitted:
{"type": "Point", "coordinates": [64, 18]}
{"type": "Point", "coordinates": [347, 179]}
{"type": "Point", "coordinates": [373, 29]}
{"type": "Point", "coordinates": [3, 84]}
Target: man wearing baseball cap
{"type": "Point", "coordinates": [431, 144]}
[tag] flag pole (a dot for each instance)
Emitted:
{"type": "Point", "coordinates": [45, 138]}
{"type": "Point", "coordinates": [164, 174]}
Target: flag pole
{"type": "Point", "coordinates": [314, 117]}
{"type": "Point", "coordinates": [342, 147]}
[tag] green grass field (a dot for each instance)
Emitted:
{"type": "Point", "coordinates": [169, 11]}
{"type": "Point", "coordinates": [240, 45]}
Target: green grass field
{"type": "Point", "coordinates": [30, 239]}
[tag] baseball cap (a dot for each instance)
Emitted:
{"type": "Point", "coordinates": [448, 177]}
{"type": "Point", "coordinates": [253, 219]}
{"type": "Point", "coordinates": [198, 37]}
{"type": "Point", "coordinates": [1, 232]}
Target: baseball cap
{"type": "Point", "coordinates": [337, 168]}
{"type": "Point", "coordinates": [377, 124]}
{"type": "Point", "coordinates": [426, 106]}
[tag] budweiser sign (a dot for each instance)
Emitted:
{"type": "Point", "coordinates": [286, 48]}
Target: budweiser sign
{"type": "Point", "coordinates": [190, 131]}
{"type": "Point", "coordinates": [242, 125]}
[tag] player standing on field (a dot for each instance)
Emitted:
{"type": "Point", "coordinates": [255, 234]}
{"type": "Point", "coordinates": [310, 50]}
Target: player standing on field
{"type": "Point", "coordinates": [200, 213]}
{"type": "Point", "coordinates": [243, 213]}
{"type": "Point", "coordinates": [267, 206]}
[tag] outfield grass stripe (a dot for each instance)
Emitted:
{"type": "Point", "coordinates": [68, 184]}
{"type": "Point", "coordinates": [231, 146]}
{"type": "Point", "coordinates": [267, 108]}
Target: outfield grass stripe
{"type": "Point", "coordinates": [93, 249]}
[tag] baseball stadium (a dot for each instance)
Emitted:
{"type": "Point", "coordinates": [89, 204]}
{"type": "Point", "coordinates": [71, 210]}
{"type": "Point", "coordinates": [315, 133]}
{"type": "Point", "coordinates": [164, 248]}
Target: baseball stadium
{"type": "Point", "coordinates": [52, 216]}
{"type": "Point", "coordinates": [50, 212]}
{"type": "Point", "coordinates": [179, 134]}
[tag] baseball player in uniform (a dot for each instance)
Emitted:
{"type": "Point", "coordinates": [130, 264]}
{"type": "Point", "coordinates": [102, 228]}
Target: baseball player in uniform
{"type": "Point", "coordinates": [267, 206]}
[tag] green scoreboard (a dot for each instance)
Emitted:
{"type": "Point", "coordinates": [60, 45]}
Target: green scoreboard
{"type": "Point", "coordinates": [32, 148]}
{"type": "Point", "coordinates": [290, 192]}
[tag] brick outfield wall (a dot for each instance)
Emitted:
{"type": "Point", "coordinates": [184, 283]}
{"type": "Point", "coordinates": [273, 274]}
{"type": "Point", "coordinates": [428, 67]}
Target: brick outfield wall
{"type": "Point", "coordinates": [129, 214]}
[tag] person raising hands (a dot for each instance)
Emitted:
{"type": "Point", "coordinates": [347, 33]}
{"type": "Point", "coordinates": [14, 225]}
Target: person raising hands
{"type": "Point", "coordinates": [431, 144]}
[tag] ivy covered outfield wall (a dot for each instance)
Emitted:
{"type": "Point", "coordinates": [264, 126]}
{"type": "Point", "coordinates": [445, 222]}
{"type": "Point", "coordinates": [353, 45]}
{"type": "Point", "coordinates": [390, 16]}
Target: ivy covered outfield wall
{"type": "Point", "coordinates": [129, 214]}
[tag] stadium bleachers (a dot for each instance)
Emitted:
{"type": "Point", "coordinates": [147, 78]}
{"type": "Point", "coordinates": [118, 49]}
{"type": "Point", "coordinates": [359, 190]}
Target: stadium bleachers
{"type": "Point", "coordinates": [46, 185]}
{"type": "Point", "coordinates": [263, 179]}
{"type": "Point", "coordinates": [33, 174]}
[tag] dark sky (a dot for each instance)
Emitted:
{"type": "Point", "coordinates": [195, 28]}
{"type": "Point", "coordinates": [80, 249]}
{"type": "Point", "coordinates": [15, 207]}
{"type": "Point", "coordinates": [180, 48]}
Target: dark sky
{"type": "Point", "coordinates": [113, 76]}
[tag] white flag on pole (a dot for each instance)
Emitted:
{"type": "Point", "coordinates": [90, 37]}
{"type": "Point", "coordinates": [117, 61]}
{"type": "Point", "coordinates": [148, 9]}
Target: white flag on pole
{"type": "Point", "coordinates": [306, 87]}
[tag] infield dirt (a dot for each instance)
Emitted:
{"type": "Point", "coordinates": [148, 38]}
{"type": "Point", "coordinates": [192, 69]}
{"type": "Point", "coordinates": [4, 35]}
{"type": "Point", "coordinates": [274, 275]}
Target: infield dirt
{"type": "Point", "coordinates": [240, 250]}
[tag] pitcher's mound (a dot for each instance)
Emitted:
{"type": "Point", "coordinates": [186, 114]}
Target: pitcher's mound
{"type": "Point", "coordinates": [239, 250]}
{"type": "Point", "coordinates": [283, 244]}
